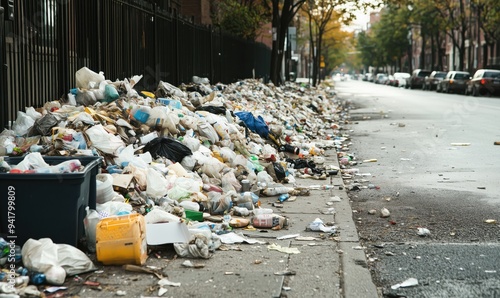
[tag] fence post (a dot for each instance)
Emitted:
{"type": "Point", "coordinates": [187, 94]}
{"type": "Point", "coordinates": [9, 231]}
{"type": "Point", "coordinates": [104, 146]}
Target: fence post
{"type": "Point", "coordinates": [3, 73]}
{"type": "Point", "coordinates": [62, 48]}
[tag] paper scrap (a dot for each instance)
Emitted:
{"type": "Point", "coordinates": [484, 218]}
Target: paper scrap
{"type": "Point", "coordinates": [410, 282]}
{"type": "Point", "coordinates": [232, 238]}
{"type": "Point", "coordinates": [288, 236]}
{"type": "Point", "coordinates": [288, 250]}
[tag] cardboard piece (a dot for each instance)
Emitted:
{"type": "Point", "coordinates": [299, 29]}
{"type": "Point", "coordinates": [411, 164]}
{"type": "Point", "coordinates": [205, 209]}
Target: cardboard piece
{"type": "Point", "coordinates": [164, 233]}
{"type": "Point", "coordinates": [122, 180]}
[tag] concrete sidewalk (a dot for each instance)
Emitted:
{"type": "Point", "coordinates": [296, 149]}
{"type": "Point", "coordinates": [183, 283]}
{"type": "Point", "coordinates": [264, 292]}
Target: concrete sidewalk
{"type": "Point", "coordinates": [328, 266]}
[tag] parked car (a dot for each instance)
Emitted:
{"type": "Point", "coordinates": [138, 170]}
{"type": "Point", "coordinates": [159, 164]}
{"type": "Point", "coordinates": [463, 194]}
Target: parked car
{"type": "Point", "coordinates": [455, 81]}
{"type": "Point", "coordinates": [431, 81]}
{"type": "Point", "coordinates": [381, 78]}
{"type": "Point", "coordinates": [390, 80]}
{"type": "Point", "coordinates": [400, 78]}
{"type": "Point", "coordinates": [417, 78]}
{"type": "Point", "coordinates": [484, 81]}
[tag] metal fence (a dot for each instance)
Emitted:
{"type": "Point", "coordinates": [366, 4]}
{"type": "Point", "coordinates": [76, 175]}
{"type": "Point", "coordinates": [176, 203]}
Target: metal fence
{"type": "Point", "coordinates": [47, 41]}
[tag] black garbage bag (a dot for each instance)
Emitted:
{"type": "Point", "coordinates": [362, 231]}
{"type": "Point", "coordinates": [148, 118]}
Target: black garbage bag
{"type": "Point", "coordinates": [167, 147]}
{"type": "Point", "coordinates": [44, 125]}
{"type": "Point", "coordinates": [279, 170]}
{"type": "Point", "coordinates": [218, 110]}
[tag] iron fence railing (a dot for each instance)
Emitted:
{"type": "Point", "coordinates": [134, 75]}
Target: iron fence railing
{"type": "Point", "coordinates": [47, 41]}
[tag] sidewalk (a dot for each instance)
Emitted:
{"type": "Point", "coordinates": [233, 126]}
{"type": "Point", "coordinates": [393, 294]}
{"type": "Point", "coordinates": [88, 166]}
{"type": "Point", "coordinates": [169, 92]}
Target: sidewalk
{"type": "Point", "coordinates": [325, 267]}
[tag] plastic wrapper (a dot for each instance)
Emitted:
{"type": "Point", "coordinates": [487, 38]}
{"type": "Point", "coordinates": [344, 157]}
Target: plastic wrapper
{"type": "Point", "coordinates": [169, 148]}
{"type": "Point", "coordinates": [257, 125]}
{"type": "Point", "coordinates": [198, 247]}
{"type": "Point", "coordinates": [212, 167]}
{"type": "Point", "coordinates": [44, 124]}
{"type": "Point", "coordinates": [178, 193]}
{"type": "Point", "coordinates": [220, 203]}
{"type": "Point", "coordinates": [111, 208]}
{"type": "Point", "coordinates": [229, 182]}
{"type": "Point", "coordinates": [192, 143]}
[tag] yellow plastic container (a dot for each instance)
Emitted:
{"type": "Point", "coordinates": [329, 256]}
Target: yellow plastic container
{"type": "Point", "coordinates": [121, 240]}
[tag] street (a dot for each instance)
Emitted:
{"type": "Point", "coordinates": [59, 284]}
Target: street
{"type": "Point", "coordinates": [430, 159]}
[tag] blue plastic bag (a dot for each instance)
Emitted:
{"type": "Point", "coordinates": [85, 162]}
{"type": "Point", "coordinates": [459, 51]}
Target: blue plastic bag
{"type": "Point", "coordinates": [257, 125]}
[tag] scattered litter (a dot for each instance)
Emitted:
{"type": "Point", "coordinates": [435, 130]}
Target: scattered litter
{"type": "Point", "coordinates": [54, 289]}
{"type": "Point", "coordinates": [490, 221]}
{"type": "Point", "coordinates": [288, 250]}
{"type": "Point", "coordinates": [372, 211]}
{"type": "Point", "coordinates": [358, 247]}
{"type": "Point", "coordinates": [384, 213]}
{"type": "Point", "coordinates": [460, 144]}
{"type": "Point", "coordinates": [306, 238]}
{"type": "Point", "coordinates": [410, 282]}
{"type": "Point", "coordinates": [121, 293]}
{"type": "Point", "coordinates": [401, 125]}
{"type": "Point", "coordinates": [490, 271]}
{"type": "Point", "coordinates": [319, 226]}
{"type": "Point", "coordinates": [286, 272]}
{"type": "Point", "coordinates": [165, 282]}
{"type": "Point", "coordinates": [231, 238]}
{"type": "Point", "coordinates": [370, 160]}
{"type": "Point", "coordinates": [335, 199]}
{"type": "Point", "coordinates": [286, 289]}
{"type": "Point", "coordinates": [389, 253]}
{"type": "Point", "coordinates": [405, 159]}
{"type": "Point", "coordinates": [423, 232]}
{"type": "Point", "coordinates": [190, 264]}
{"type": "Point", "coordinates": [328, 211]}
{"type": "Point", "coordinates": [496, 143]}
{"type": "Point", "coordinates": [481, 187]}
{"type": "Point", "coordinates": [288, 237]}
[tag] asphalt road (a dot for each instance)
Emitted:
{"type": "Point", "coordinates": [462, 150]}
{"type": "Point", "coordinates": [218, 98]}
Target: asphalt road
{"type": "Point", "coordinates": [434, 166]}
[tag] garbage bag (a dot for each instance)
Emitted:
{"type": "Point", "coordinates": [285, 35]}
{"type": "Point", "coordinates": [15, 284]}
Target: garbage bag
{"type": "Point", "coordinates": [23, 124]}
{"type": "Point", "coordinates": [257, 125]}
{"type": "Point", "coordinates": [40, 255]}
{"type": "Point", "coordinates": [279, 171]}
{"type": "Point", "coordinates": [169, 148]}
{"type": "Point", "coordinates": [219, 110]}
{"type": "Point", "coordinates": [44, 125]}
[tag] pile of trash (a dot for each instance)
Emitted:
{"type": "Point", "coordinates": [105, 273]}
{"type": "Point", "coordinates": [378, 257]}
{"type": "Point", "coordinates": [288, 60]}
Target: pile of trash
{"type": "Point", "coordinates": [194, 158]}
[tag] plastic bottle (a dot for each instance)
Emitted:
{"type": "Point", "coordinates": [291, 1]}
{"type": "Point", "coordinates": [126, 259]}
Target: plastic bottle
{"type": "Point", "coordinates": [278, 190]}
{"type": "Point", "coordinates": [283, 197]}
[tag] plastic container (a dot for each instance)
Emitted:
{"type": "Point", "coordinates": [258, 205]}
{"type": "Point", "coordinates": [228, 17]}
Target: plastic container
{"type": "Point", "coordinates": [121, 240]}
{"type": "Point", "coordinates": [194, 215]}
{"type": "Point", "coordinates": [48, 205]}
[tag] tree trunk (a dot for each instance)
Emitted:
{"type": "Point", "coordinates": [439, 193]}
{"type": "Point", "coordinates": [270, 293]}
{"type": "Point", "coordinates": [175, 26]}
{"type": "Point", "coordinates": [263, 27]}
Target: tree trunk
{"type": "Point", "coordinates": [274, 73]}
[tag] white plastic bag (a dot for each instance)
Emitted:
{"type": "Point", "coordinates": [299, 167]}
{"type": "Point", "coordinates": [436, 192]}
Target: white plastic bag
{"type": "Point", "coordinates": [104, 141]}
{"type": "Point", "coordinates": [156, 184]}
{"type": "Point", "coordinates": [23, 124]}
{"type": "Point", "coordinates": [40, 255]}
{"type": "Point", "coordinates": [88, 79]}
{"type": "Point", "coordinates": [113, 208]}
{"type": "Point", "coordinates": [31, 161]}
{"type": "Point", "coordinates": [207, 130]}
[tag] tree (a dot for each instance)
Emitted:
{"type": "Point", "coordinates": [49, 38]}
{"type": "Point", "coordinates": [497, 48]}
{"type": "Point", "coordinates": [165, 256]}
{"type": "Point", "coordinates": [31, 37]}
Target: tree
{"type": "Point", "coordinates": [488, 16]}
{"type": "Point", "coordinates": [239, 17]}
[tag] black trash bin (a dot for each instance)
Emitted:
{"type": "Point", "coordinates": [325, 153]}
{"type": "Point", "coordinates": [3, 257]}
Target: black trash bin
{"type": "Point", "coordinates": [47, 205]}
